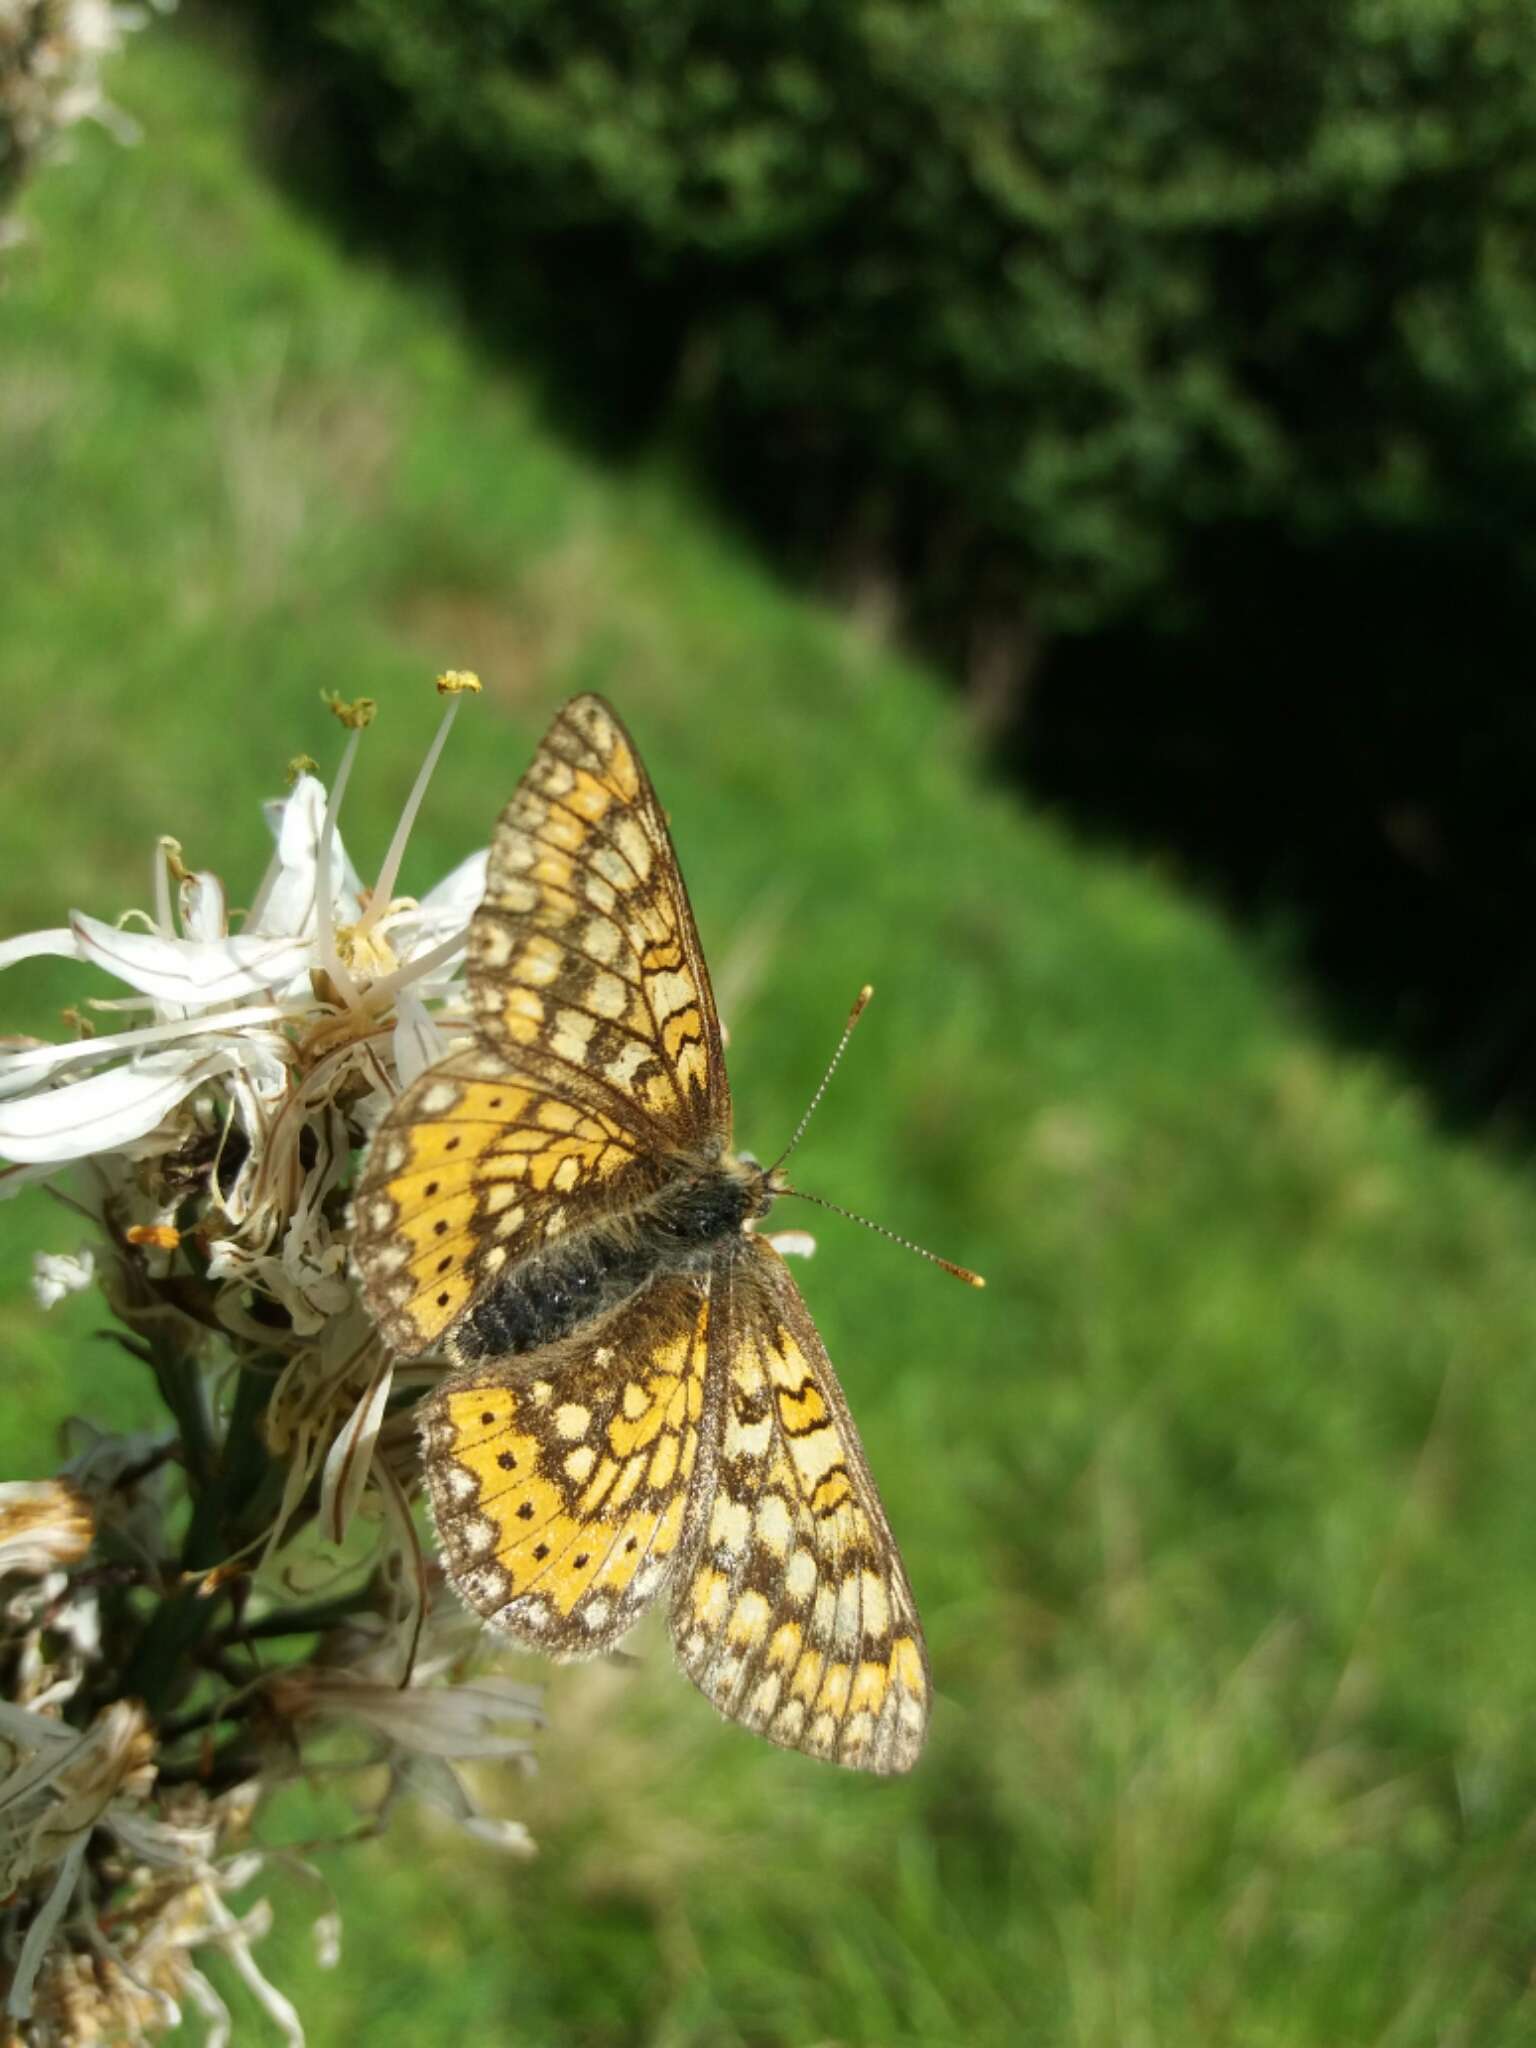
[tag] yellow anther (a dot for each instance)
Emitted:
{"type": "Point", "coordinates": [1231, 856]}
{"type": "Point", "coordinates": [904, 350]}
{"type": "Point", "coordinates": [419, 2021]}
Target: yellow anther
{"type": "Point", "coordinates": [365, 952]}
{"type": "Point", "coordinates": [353, 716]}
{"type": "Point", "coordinates": [159, 1237]}
{"type": "Point", "coordinates": [171, 849]}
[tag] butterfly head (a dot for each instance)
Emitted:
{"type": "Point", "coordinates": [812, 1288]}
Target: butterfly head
{"type": "Point", "coordinates": [761, 1185]}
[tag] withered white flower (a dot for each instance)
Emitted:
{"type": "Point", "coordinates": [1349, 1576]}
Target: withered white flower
{"type": "Point", "coordinates": [59, 1786]}
{"type": "Point", "coordinates": [464, 1721]}
{"type": "Point", "coordinates": [426, 1729]}
{"type": "Point", "coordinates": [171, 1912]}
{"type": "Point", "coordinates": [43, 1524]}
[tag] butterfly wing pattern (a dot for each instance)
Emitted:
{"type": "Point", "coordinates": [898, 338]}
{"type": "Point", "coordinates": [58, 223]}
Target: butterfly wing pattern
{"type": "Point", "coordinates": [599, 1048]}
{"type": "Point", "coordinates": [584, 952]}
{"type": "Point", "coordinates": [795, 1616]}
{"type": "Point", "coordinates": [563, 1497]}
{"type": "Point", "coordinates": [641, 1402]}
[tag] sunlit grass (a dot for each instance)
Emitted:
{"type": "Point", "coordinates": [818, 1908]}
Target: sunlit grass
{"type": "Point", "coordinates": [1216, 1502]}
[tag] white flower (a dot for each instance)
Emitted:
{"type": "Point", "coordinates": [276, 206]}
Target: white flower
{"type": "Point", "coordinates": [792, 1244]}
{"type": "Point", "coordinates": [55, 1274]}
{"type": "Point", "coordinates": [321, 990]}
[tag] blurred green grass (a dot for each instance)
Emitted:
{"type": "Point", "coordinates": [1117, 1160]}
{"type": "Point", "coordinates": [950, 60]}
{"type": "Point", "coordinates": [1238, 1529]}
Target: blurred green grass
{"type": "Point", "coordinates": [1216, 1503]}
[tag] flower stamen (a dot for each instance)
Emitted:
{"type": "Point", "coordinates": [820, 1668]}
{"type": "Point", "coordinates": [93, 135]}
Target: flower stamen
{"type": "Point", "coordinates": [330, 957]}
{"type": "Point", "coordinates": [454, 685]}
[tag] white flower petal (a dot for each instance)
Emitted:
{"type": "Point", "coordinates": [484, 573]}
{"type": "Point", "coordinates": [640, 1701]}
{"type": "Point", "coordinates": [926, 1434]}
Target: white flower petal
{"type": "Point", "coordinates": [203, 914]}
{"type": "Point", "coordinates": [32, 1733]}
{"type": "Point", "coordinates": [327, 1935]}
{"type": "Point", "coordinates": [464, 1720]}
{"type": "Point", "coordinates": [43, 1525]}
{"type": "Point", "coordinates": [418, 1042]}
{"type": "Point", "coordinates": [55, 1274]}
{"type": "Point", "coordinates": [106, 1112]}
{"type": "Point", "coordinates": [165, 1844]}
{"type": "Point", "coordinates": [239, 1871]}
{"type": "Point", "coordinates": [209, 2005]}
{"type": "Point", "coordinates": [60, 943]}
{"type": "Point", "coordinates": [234, 1938]}
{"type": "Point", "coordinates": [456, 898]}
{"type": "Point", "coordinates": [792, 1244]}
{"type": "Point", "coordinates": [286, 907]}
{"type": "Point", "coordinates": [187, 970]}
{"type": "Point", "coordinates": [22, 1070]}
{"type": "Point", "coordinates": [440, 1785]}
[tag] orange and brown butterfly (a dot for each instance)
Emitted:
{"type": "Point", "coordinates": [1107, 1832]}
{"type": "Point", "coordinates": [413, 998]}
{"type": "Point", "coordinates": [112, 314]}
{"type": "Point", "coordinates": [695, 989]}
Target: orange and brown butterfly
{"type": "Point", "coordinates": [640, 1402]}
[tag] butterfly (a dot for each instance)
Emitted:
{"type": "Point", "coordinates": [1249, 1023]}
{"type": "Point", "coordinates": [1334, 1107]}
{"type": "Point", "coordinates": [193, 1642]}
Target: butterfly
{"type": "Point", "coordinates": [640, 1404]}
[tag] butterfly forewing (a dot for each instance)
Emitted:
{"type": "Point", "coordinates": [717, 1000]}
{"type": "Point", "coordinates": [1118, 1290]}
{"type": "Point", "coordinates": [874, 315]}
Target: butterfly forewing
{"type": "Point", "coordinates": [465, 1177]}
{"type": "Point", "coordinates": [599, 1045]}
{"type": "Point", "coordinates": [584, 950]}
{"type": "Point", "coordinates": [795, 1616]}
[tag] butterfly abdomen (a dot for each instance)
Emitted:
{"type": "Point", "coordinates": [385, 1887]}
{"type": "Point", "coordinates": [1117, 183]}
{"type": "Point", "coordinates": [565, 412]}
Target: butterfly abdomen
{"type": "Point", "coordinates": [585, 1275]}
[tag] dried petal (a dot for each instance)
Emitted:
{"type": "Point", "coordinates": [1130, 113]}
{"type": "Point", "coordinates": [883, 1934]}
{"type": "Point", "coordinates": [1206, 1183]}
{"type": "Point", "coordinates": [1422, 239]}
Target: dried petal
{"type": "Point", "coordinates": [351, 1456]}
{"type": "Point", "coordinates": [43, 1524]}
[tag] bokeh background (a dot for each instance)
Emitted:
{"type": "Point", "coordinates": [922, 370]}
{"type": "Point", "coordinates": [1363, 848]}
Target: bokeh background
{"type": "Point", "coordinates": [1051, 487]}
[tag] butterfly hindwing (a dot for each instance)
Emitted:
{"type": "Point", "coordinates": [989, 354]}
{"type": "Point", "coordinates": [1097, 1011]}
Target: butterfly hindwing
{"type": "Point", "coordinates": [796, 1618]}
{"type": "Point", "coordinates": [564, 1490]}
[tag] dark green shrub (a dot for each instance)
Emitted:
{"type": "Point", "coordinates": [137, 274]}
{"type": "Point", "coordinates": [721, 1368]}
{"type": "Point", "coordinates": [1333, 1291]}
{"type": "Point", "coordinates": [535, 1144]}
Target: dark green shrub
{"type": "Point", "coordinates": [1010, 295]}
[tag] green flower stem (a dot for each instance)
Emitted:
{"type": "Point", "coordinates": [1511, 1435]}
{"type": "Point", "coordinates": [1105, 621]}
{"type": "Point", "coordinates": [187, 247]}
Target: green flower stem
{"type": "Point", "coordinates": [303, 1621]}
{"type": "Point", "coordinates": [221, 1501]}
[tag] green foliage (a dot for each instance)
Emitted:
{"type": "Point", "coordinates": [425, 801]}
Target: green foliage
{"type": "Point", "coordinates": [1022, 289]}
{"type": "Point", "coordinates": [1217, 1502]}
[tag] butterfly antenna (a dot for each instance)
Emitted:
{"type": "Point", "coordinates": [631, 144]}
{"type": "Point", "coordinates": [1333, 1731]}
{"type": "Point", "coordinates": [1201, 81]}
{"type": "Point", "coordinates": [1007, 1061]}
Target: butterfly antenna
{"type": "Point", "coordinates": [861, 1004]}
{"type": "Point", "coordinates": [960, 1272]}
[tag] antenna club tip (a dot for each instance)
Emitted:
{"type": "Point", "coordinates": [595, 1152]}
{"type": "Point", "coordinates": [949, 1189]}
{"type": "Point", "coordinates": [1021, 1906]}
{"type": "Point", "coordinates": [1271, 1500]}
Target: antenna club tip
{"type": "Point", "coordinates": [976, 1279]}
